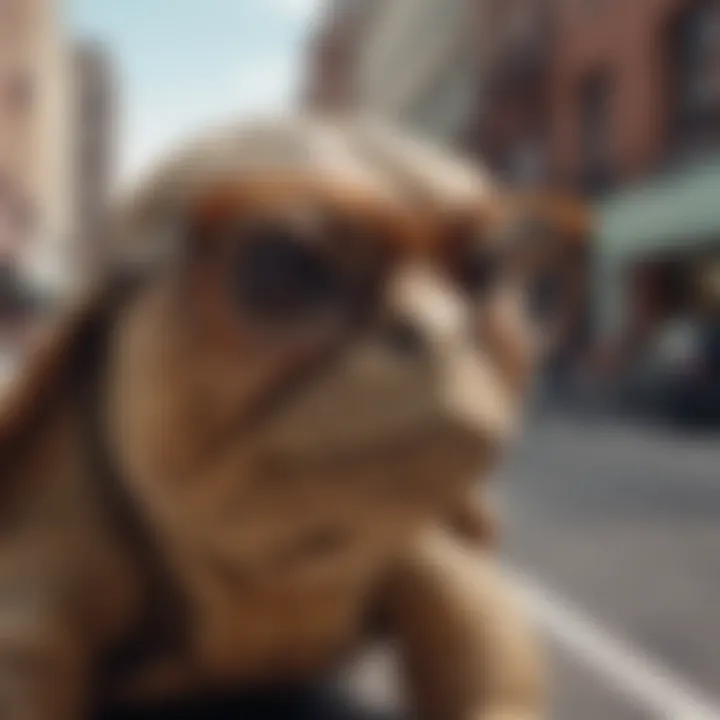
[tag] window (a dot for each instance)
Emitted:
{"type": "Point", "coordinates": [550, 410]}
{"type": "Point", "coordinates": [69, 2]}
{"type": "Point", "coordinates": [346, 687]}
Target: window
{"type": "Point", "coordinates": [695, 71]}
{"type": "Point", "coordinates": [18, 91]}
{"type": "Point", "coordinates": [591, 7]}
{"type": "Point", "coordinates": [595, 132]}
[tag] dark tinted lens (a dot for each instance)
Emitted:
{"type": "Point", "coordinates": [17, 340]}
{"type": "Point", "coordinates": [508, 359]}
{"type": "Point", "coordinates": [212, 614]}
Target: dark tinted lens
{"type": "Point", "coordinates": [277, 275]}
{"type": "Point", "coordinates": [481, 270]}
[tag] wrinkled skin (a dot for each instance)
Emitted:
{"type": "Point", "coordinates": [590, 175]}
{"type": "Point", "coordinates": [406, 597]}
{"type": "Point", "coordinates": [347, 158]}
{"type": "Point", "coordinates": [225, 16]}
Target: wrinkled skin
{"type": "Point", "coordinates": [295, 409]}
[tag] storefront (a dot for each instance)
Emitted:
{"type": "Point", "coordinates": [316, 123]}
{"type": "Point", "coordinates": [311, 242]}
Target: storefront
{"type": "Point", "coordinates": [656, 291]}
{"type": "Point", "coordinates": [653, 242]}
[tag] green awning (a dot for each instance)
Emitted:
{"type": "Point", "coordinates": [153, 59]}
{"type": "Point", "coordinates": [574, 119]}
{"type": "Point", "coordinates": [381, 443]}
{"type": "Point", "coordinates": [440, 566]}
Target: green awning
{"type": "Point", "coordinates": [679, 210]}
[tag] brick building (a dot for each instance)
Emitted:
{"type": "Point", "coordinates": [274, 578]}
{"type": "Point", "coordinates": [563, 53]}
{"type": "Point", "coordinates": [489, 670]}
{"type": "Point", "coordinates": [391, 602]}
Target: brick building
{"type": "Point", "coordinates": [515, 43]}
{"type": "Point", "coordinates": [636, 124]}
{"type": "Point", "coordinates": [635, 87]}
{"type": "Point", "coordinates": [621, 102]}
{"type": "Point", "coordinates": [35, 163]}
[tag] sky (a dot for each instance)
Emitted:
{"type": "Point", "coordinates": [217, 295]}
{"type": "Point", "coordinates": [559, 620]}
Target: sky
{"type": "Point", "coordinates": [185, 64]}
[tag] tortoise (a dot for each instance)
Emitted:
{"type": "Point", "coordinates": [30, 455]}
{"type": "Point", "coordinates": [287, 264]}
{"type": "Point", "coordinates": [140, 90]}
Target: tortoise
{"type": "Point", "coordinates": [260, 441]}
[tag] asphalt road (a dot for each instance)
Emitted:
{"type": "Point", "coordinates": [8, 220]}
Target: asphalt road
{"type": "Point", "coordinates": [616, 529]}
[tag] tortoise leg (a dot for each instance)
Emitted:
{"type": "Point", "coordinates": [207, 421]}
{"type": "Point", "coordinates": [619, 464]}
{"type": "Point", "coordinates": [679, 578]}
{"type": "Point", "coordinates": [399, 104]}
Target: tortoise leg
{"type": "Point", "coordinates": [465, 648]}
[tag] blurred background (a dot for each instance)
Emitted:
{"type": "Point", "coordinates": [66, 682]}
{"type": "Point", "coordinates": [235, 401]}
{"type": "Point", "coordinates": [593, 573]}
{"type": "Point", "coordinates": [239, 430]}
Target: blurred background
{"type": "Point", "coordinates": [612, 500]}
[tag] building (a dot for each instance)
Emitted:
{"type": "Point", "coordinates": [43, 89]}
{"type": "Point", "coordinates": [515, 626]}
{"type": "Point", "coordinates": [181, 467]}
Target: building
{"type": "Point", "coordinates": [409, 60]}
{"type": "Point", "coordinates": [515, 42]}
{"type": "Point", "coordinates": [35, 165]}
{"type": "Point", "coordinates": [619, 101]}
{"type": "Point", "coordinates": [418, 65]}
{"type": "Point", "coordinates": [95, 96]}
{"type": "Point", "coordinates": [475, 74]}
{"type": "Point", "coordinates": [634, 88]}
{"type": "Point", "coordinates": [330, 81]}
{"type": "Point", "coordinates": [636, 125]}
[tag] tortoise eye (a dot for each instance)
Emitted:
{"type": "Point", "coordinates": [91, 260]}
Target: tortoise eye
{"type": "Point", "coordinates": [278, 275]}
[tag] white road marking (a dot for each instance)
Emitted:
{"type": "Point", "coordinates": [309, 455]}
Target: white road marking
{"type": "Point", "coordinates": [639, 677]}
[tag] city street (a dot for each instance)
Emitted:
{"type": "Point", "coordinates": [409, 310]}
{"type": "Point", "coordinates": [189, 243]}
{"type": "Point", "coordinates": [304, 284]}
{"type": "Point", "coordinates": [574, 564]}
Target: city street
{"type": "Point", "coordinates": [304, 174]}
{"type": "Point", "coordinates": [615, 531]}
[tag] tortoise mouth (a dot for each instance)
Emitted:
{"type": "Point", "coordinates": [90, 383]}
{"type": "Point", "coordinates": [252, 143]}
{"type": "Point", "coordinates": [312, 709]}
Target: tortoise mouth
{"type": "Point", "coordinates": [319, 544]}
{"type": "Point", "coordinates": [412, 446]}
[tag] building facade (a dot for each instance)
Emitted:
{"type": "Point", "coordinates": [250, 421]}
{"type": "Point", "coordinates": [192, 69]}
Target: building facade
{"type": "Point", "coordinates": [409, 60]}
{"type": "Point", "coordinates": [331, 77]}
{"type": "Point", "coordinates": [620, 102]}
{"type": "Point", "coordinates": [36, 185]}
{"type": "Point", "coordinates": [635, 124]}
{"type": "Point", "coordinates": [516, 50]}
{"type": "Point", "coordinates": [418, 65]}
{"type": "Point", "coordinates": [635, 88]}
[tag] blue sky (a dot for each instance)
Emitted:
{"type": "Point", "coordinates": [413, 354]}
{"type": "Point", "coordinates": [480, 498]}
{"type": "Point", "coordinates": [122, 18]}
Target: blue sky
{"type": "Point", "coordinates": [187, 63]}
